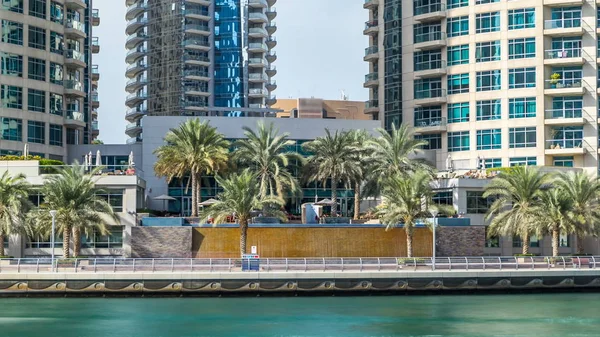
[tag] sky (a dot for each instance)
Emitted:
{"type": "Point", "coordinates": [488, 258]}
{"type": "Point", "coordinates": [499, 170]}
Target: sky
{"type": "Point", "coordinates": [320, 46]}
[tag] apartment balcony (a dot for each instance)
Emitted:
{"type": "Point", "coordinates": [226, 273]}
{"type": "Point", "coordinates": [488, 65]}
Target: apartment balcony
{"type": "Point", "coordinates": [257, 62]}
{"type": "Point", "coordinates": [136, 9]}
{"type": "Point", "coordinates": [430, 40]}
{"type": "Point", "coordinates": [74, 119]}
{"type": "Point", "coordinates": [135, 39]}
{"type": "Point", "coordinates": [95, 73]}
{"type": "Point", "coordinates": [271, 56]}
{"type": "Point", "coordinates": [271, 27]}
{"type": "Point", "coordinates": [74, 58]}
{"type": "Point", "coordinates": [95, 45]}
{"type": "Point", "coordinates": [563, 3]}
{"type": "Point", "coordinates": [95, 17]}
{"type": "Point", "coordinates": [371, 27]}
{"type": "Point", "coordinates": [195, 59]}
{"type": "Point", "coordinates": [370, 4]}
{"type": "Point", "coordinates": [75, 4]}
{"type": "Point", "coordinates": [271, 85]}
{"type": "Point", "coordinates": [371, 80]}
{"type": "Point", "coordinates": [564, 117]}
{"type": "Point", "coordinates": [258, 93]}
{"type": "Point", "coordinates": [565, 87]}
{"type": "Point", "coordinates": [75, 29]}
{"type": "Point", "coordinates": [135, 24]}
{"type": "Point", "coordinates": [271, 2]}
{"type": "Point", "coordinates": [134, 114]}
{"type": "Point", "coordinates": [135, 54]}
{"type": "Point", "coordinates": [95, 125]}
{"type": "Point", "coordinates": [196, 74]}
{"type": "Point", "coordinates": [430, 69]}
{"type": "Point", "coordinates": [565, 57]}
{"type": "Point", "coordinates": [95, 100]}
{"type": "Point", "coordinates": [196, 89]}
{"type": "Point", "coordinates": [73, 88]}
{"type": "Point", "coordinates": [134, 69]}
{"type": "Point", "coordinates": [371, 54]}
{"type": "Point", "coordinates": [430, 97]}
{"type": "Point", "coordinates": [372, 107]}
{"type": "Point", "coordinates": [271, 71]}
{"type": "Point", "coordinates": [430, 12]}
{"type": "Point", "coordinates": [133, 129]}
{"type": "Point", "coordinates": [136, 84]}
{"type": "Point", "coordinates": [568, 147]}
{"type": "Point", "coordinates": [258, 33]}
{"type": "Point", "coordinates": [257, 17]}
{"type": "Point", "coordinates": [260, 77]}
{"type": "Point", "coordinates": [430, 125]}
{"type": "Point", "coordinates": [564, 27]}
{"type": "Point", "coordinates": [94, 113]}
{"type": "Point", "coordinates": [196, 13]}
{"type": "Point", "coordinates": [271, 100]}
{"type": "Point", "coordinates": [258, 47]}
{"type": "Point", "coordinates": [197, 44]}
{"type": "Point", "coordinates": [203, 30]}
{"type": "Point", "coordinates": [134, 99]}
{"type": "Point", "coordinates": [271, 42]}
{"type": "Point", "coordinates": [271, 13]}
{"type": "Point", "coordinates": [258, 3]}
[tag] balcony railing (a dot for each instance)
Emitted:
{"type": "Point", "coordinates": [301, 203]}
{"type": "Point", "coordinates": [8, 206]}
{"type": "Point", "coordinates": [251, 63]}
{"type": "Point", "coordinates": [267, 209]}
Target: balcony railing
{"type": "Point", "coordinates": [197, 42]}
{"type": "Point", "coordinates": [203, 28]}
{"type": "Point", "coordinates": [564, 83]}
{"type": "Point", "coordinates": [430, 36]}
{"type": "Point", "coordinates": [429, 65]}
{"type": "Point", "coordinates": [258, 92]}
{"type": "Point", "coordinates": [557, 144]}
{"type": "Point", "coordinates": [563, 23]}
{"type": "Point", "coordinates": [74, 115]}
{"type": "Point", "coordinates": [262, 46]}
{"type": "Point", "coordinates": [73, 85]}
{"type": "Point", "coordinates": [371, 77]}
{"type": "Point", "coordinates": [564, 113]}
{"type": "Point", "coordinates": [563, 53]}
{"type": "Point", "coordinates": [371, 24]}
{"type": "Point", "coordinates": [430, 122]}
{"type": "Point", "coordinates": [430, 93]}
{"type": "Point", "coordinates": [138, 35]}
{"type": "Point", "coordinates": [430, 8]}
{"type": "Point", "coordinates": [371, 104]}
{"type": "Point", "coordinates": [371, 50]}
{"type": "Point", "coordinates": [74, 55]}
{"type": "Point", "coordinates": [258, 77]}
{"type": "Point", "coordinates": [195, 72]}
{"type": "Point", "coordinates": [95, 69]}
{"type": "Point", "coordinates": [95, 13]}
{"type": "Point", "coordinates": [76, 25]}
{"type": "Point", "coordinates": [197, 11]}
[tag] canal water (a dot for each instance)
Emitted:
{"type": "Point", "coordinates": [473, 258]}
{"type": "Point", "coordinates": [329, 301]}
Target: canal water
{"type": "Point", "coordinates": [560, 315]}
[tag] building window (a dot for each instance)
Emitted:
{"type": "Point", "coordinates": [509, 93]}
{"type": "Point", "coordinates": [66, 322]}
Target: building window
{"type": "Point", "coordinates": [56, 73]}
{"type": "Point", "coordinates": [114, 197]}
{"type": "Point", "coordinates": [36, 100]}
{"type": "Point", "coordinates": [489, 110]}
{"type": "Point", "coordinates": [522, 137]}
{"type": "Point", "coordinates": [13, 6]}
{"type": "Point", "coordinates": [12, 96]}
{"type": "Point", "coordinates": [492, 162]}
{"type": "Point", "coordinates": [429, 116]}
{"type": "Point", "coordinates": [56, 104]}
{"type": "Point", "coordinates": [113, 240]}
{"type": "Point", "coordinates": [36, 132]}
{"type": "Point", "coordinates": [521, 48]}
{"type": "Point", "coordinates": [477, 204]}
{"type": "Point", "coordinates": [56, 135]}
{"type": "Point", "coordinates": [457, 3]}
{"type": "Point", "coordinates": [458, 84]}
{"type": "Point", "coordinates": [568, 137]}
{"type": "Point", "coordinates": [458, 141]}
{"type": "Point", "coordinates": [11, 129]}
{"type": "Point", "coordinates": [57, 43]}
{"type": "Point", "coordinates": [457, 26]}
{"type": "Point", "coordinates": [521, 78]}
{"type": "Point", "coordinates": [37, 69]}
{"type": "Point", "coordinates": [563, 240]}
{"type": "Point", "coordinates": [12, 64]}
{"type": "Point", "coordinates": [489, 139]}
{"type": "Point", "coordinates": [427, 60]}
{"type": "Point", "coordinates": [57, 12]}
{"type": "Point", "coordinates": [522, 161]}
{"type": "Point", "coordinates": [563, 161]}
{"type": "Point", "coordinates": [458, 55]}
{"type": "Point", "coordinates": [427, 88]}
{"type": "Point", "coordinates": [443, 198]}
{"type": "Point", "coordinates": [569, 77]}
{"type": "Point", "coordinates": [37, 8]}
{"type": "Point", "coordinates": [489, 80]}
{"type": "Point", "coordinates": [487, 51]}
{"type": "Point", "coordinates": [487, 22]}
{"type": "Point", "coordinates": [458, 112]}
{"type": "Point", "coordinates": [523, 107]}
{"type": "Point", "coordinates": [491, 242]}
{"type": "Point", "coordinates": [521, 18]}
{"type": "Point", "coordinates": [37, 37]}
{"type": "Point", "coordinates": [483, 2]}
{"type": "Point", "coordinates": [434, 141]}
{"type": "Point", "coordinates": [12, 32]}
{"type": "Point", "coordinates": [425, 32]}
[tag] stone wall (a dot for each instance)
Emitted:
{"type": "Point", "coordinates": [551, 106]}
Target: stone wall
{"type": "Point", "coordinates": [161, 242]}
{"type": "Point", "coordinates": [460, 241]}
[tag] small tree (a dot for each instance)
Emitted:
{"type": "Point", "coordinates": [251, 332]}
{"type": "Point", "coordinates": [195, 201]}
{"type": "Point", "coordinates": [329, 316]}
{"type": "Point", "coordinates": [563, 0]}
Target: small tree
{"type": "Point", "coordinates": [554, 216]}
{"type": "Point", "coordinates": [14, 204]}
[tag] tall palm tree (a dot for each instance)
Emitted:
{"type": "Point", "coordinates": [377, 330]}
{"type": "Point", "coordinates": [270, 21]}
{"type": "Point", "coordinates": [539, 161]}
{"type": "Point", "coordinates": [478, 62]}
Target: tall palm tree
{"type": "Point", "coordinates": [79, 209]}
{"type": "Point", "coordinates": [332, 158]}
{"type": "Point", "coordinates": [584, 192]}
{"type": "Point", "coordinates": [240, 196]}
{"type": "Point", "coordinates": [362, 158]}
{"type": "Point", "coordinates": [407, 199]}
{"type": "Point", "coordinates": [14, 203]}
{"type": "Point", "coordinates": [194, 148]}
{"type": "Point", "coordinates": [518, 193]}
{"type": "Point", "coordinates": [265, 152]}
{"type": "Point", "coordinates": [554, 215]}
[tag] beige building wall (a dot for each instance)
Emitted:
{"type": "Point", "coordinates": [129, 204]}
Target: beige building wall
{"type": "Point", "coordinates": [320, 108]}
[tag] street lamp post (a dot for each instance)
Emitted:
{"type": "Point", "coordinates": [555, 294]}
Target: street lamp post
{"type": "Point", "coordinates": [435, 214]}
{"type": "Point", "coordinates": [53, 214]}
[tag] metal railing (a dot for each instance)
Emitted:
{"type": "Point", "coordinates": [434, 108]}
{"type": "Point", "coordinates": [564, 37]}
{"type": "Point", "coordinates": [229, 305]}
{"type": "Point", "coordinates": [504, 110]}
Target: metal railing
{"type": "Point", "coordinates": [430, 122]}
{"type": "Point", "coordinates": [429, 8]}
{"type": "Point", "coordinates": [430, 93]}
{"type": "Point", "coordinates": [557, 144]}
{"type": "Point", "coordinates": [355, 264]}
{"type": "Point", "coordinates": [563, 23]}
{"type": "Point", "coordinates": [564, 83]}
{"type": "Point", "coordinates": [430, 36]}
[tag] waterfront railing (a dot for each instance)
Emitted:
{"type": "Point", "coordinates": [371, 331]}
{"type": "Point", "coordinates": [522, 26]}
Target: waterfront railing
{"type": "Point", "coordinates": [354, 264]}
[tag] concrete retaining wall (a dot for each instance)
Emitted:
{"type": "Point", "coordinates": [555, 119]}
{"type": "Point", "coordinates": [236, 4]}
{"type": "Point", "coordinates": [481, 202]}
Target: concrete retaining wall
{"type": "Point", "coordinates": [460, 241]}
{"type": "Point", "coordinates": [161, 242]}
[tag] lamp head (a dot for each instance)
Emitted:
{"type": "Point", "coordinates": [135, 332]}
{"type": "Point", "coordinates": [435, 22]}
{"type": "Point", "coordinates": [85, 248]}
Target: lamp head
{"type": "Point", "coordinates": [53, 213]}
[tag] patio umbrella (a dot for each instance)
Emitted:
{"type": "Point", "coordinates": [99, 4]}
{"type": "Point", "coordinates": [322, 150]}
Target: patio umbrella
{"type": "Point", "coordinates": [325, 202]}
{"type": "Point", "coordinates": [449, 166]}
{"type": "Point", "coordinates": [164, 198]}
{"type": "Point", "coordinates": [85, 162]}
{"type": "Point", "coordinates": [90, 158]}
{"type": "Point", "coordinates": [26, 151]}
{"type": "Point", "coordinates": [98, 158]}
{"type": "Point", "coordinates": [208, 202]}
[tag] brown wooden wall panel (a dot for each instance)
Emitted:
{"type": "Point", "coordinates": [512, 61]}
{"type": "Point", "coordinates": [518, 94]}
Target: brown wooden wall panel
{"type": "Point", "coordinates": [310, 242]}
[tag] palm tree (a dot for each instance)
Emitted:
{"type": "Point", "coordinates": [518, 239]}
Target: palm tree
{"type": "Point", "coordinates": [194, 148]}
{"type": "Point", "coordinates": [265, 153]}
{"type": "Point", "coordinates": [332, 158]}
{"type": "Point", "coordinates": [407, 199]}
{"type": "Point", "coordinates": [518, 194]}
{"type": "Point", "coordinates": [584, 192]}
{"type": "Point", "coordinates": [554, 215]}
{"type": "Point", "coordinates": [14, 203]}
{"type": "Point", "coordinates": [362, 159]}
{"type": "Point", "coordinates": [79, 209]}
{"type": "Point", "coordinates": [240, 196]}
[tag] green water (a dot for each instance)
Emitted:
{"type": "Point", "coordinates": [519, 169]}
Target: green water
{"type": "Point", "coordinates": [561, 315]}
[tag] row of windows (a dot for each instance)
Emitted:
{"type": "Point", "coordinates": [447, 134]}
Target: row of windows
{"type": "Point", "coordinates": [38, 9]}
{"type": "Point", "coordinates": [12, 32]}
{"type": "Point", "coordinates": [488, 80]}
{"type": "Point", "coordinates": [11, 97]}
{"type": "Point", "coordinates": [12, 65]}
{"type": "Point", "coordinates": [521, 107]}
{"type": "Point", "coordinates": [491, 139]}
{"type": "Point", "coordinates": [490, 22]}
{"type": "Point", "coordinates": [491, 51]}
{"type": "Point", "coordinates": [12, 129]}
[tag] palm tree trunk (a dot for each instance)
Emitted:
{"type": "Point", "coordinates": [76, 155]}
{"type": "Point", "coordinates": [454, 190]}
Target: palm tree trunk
{"type": "Point", "coordinates": [76, 241]}
{"type": "Point", "coordinates": [357, 199]}
{"type": "Point", "coordinates": [67, 242]}
{"type": "Point", "coordinates": [2, 253]}
{"type": "Point", "coordinates": [525, 238]}
{"type": "Point", "coordinates": [333, 196]}
{"type": "Point", "coordinates": [409, 239]}
{"type": "Point", "coordinates": [243, 235]}
{"type": "Point", "coordinates": [198, 191]}
{"type": "Point", "coordinates": [194, 195]}
{"type": "Point", "coordinates": [555, 238]}
{"type": "Point", "coordinates": [580, 249]}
